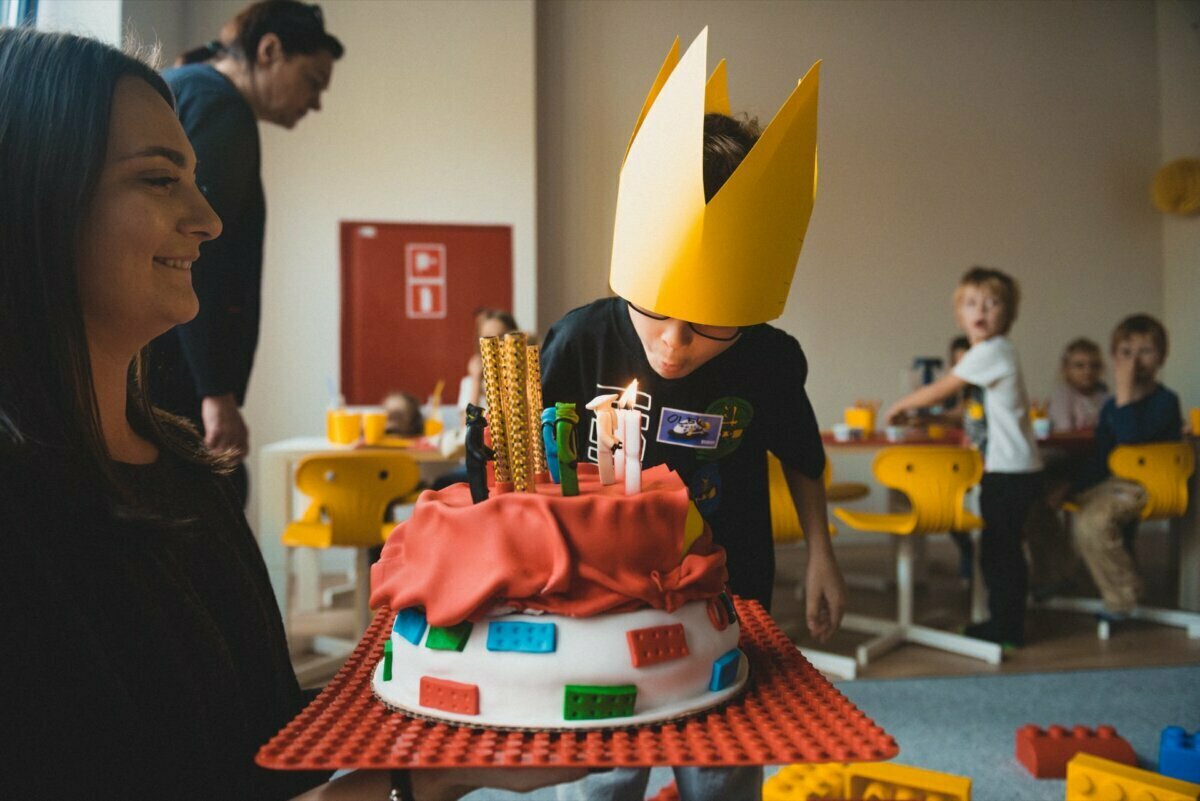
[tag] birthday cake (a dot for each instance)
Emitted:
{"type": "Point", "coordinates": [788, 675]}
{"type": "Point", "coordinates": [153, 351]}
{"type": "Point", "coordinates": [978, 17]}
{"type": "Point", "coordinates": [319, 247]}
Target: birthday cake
{"type": "Point", "coordinates": [532, 610]}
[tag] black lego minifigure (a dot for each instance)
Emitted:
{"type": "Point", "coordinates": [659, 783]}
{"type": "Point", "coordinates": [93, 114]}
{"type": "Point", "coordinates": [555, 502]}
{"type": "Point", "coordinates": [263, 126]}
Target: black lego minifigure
{"type": "Point", "coordinates": [478, 454]}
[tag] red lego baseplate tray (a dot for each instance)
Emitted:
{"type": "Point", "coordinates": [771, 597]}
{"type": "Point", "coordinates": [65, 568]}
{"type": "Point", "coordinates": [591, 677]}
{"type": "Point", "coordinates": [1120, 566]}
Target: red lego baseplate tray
{"type": "Point", "coordinates": [788, 713]}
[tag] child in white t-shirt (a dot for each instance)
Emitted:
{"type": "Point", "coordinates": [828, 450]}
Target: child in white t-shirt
{"type": "Point", "coordinates": [985, 305]}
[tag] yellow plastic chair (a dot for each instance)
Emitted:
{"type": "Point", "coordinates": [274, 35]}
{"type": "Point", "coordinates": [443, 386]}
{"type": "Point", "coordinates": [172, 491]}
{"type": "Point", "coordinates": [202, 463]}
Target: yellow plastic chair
{"type": "Point", "coordinates": [935, 479]}
{"type": "Point", "coordinates": [1163, 470]}
{"type": "Point", "coordinates": [349, 494]}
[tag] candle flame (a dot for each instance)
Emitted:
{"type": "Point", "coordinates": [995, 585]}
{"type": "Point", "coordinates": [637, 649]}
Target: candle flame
{"type": "Point", "coordinates": [629, 398]}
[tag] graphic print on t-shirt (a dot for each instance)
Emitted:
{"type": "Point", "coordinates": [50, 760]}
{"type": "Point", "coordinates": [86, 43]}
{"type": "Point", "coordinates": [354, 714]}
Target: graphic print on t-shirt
{"type": "Point", "coordinates": [689, 429]}
{"type": "Point", "coordinates": [736, 415]}
{"type": "Point", "coordinates": [643, 402]}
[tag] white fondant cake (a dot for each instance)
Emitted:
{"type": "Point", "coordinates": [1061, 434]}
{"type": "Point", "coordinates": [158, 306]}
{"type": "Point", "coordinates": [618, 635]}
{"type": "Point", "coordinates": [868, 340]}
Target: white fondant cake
{"type": "Point", "coordinates": [533, 610]}
{"type": "Point", "coordinates": [528, 690]}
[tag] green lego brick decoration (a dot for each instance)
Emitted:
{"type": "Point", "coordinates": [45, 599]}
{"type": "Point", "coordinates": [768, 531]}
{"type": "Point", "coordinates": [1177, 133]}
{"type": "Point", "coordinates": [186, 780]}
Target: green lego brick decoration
{"type": "Point", "coordinates": [451, 638]}
{"type": "Point", "coordinates": [595, 702]}
{"type": "Point", "coordinates": [387, 659]}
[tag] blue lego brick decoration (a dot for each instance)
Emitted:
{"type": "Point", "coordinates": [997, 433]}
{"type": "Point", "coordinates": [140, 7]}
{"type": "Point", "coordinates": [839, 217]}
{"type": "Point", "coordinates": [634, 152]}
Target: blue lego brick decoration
{"type": "Point", "coordinates": [530, 638]}
{"type": "Point", "coordinates": [1179, 754]}
{"type": "Point", "coordinates": [410, 624]}
{"type": "Point", "coordinates": [387, 659]}
{"type": "Point", "coordinates": [725, 670]}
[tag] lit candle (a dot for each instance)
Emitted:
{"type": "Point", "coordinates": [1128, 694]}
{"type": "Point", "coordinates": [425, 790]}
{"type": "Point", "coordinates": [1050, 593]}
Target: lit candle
{"type": "Point", "coordinates": [606, 435]}
{"type": "Point", "coordinates": [631, 438]}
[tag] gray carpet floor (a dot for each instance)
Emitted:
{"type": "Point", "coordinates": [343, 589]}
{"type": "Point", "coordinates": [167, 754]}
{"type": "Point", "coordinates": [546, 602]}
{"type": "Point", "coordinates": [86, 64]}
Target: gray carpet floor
{"type": "Point", "coordinates": [967, 725]}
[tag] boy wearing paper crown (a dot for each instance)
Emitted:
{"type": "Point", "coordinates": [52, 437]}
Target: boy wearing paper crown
{"type": "Point", "coordinates": [709, 224]}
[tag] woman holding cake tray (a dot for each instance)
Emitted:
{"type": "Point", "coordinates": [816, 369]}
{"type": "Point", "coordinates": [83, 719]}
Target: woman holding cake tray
{"type": "Point", "coordinates": [147, 657]}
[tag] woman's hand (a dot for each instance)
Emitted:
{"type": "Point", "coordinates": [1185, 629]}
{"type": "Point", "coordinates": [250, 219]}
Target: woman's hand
{"type": "Point", "coordinates": [224, 428]}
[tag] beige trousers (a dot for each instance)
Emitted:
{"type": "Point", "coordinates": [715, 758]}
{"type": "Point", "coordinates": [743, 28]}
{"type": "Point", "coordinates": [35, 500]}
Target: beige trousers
{"type": "Point", "coordinates": [1104, 510]}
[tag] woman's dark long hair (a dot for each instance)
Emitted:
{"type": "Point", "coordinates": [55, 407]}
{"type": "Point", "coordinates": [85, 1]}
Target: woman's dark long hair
{"type": "Point", "coordinates": [299, 26]}
{"type": "Point", "coordinates": [56, 93]}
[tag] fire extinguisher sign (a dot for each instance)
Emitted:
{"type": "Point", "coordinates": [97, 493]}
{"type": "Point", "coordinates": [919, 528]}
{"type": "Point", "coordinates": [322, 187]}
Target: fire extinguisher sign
{"type": "Point", "coordinates": [425, 281]}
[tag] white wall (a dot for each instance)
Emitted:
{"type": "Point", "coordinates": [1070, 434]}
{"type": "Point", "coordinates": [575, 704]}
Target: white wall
{"type": "Point", "coordinates": [97, 18]}
{"type": "Point", "coordinates": [1179, 67]}
{"type": "Point", "coordinates": [429, 118]}
{"type": "Point", "coordinates": [1020, 135]}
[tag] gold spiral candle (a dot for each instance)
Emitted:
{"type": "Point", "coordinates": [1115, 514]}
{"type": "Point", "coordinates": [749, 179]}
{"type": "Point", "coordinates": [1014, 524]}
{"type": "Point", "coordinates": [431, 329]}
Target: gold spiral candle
{"type": "Point", "coordinates": [489, 351]}
{"type": "Point", "coordinates": [533, 377]}
{"type": "Point", "coordinates": [516, 409]}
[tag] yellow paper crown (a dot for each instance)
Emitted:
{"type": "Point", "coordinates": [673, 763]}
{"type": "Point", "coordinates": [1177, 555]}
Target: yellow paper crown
{"type": "Point", "coordinates": [729, 262]}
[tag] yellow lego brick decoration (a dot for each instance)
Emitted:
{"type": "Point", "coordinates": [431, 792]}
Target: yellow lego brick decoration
{"type": "Point", "coordinates": [872, 781]}
{"type": "Point", "coordinates": [822, 782]}
{"type": "Point", "coordinates": [1091, 778]}
{"type": "Point", "coordinates": [728, 261]}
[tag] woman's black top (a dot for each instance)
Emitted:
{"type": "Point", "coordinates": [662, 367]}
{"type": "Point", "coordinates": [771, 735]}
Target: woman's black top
{"type": "Point", "coordinates": [143, 658]}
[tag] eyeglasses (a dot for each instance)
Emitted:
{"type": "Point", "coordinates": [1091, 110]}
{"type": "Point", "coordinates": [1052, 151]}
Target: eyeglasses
{"type": "Point", "coordinates": [1082, 365]}
{"type": "Point", "coordinates": [721, 333]}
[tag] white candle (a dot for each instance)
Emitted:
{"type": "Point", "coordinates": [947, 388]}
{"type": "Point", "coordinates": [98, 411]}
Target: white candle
{"type": "Point", "coordinates": [631, 438]}
{"type": "Point", "coordinates": [607, 436]}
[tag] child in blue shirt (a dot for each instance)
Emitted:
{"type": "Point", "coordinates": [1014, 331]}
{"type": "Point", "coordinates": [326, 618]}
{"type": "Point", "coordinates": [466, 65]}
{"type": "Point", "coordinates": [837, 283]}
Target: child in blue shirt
{"type": "Point", "coordinates": [1140, 411]}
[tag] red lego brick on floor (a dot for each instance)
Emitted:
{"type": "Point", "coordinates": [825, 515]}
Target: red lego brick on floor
{"type": "Point", "coordinates": [1046, 752]}
{"type": "Point", "coordinates": [788, 713]}
{"type": "Point", "coordinates": [667, 793]}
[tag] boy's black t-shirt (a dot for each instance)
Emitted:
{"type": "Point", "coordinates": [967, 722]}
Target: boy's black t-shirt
{"type": "Point", "coordinates": [756, 387]}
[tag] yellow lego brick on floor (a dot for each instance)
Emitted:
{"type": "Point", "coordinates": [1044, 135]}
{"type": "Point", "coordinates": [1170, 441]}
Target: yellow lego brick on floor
{"type": "Point", "coordinates": [1090, 778]}
{"type": "Point", "coordinates": [874, 781]}
{"type": "Point", "coordinates": [806, 783]}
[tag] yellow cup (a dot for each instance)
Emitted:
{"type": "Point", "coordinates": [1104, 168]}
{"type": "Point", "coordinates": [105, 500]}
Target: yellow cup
{"type": "Point", "coordinates": [330, 415]}
{"type": "Point", "coordinates": [374, 427]}
{"type": "Point", "coordinates": [346, 426]}
{"type": "Point", "coordinates": [1195, 421]}
{"type": "Point", "coordinates": [433, 426]}
{"type": "Point", "coordinates": [862, 418]}
{"type": "Point", "coordinates": [935, 431]}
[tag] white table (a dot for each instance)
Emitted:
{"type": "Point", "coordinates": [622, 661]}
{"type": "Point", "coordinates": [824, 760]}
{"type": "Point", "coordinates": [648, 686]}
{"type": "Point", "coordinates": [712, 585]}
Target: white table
{"type": "Point", "coordinates": [276, 477]}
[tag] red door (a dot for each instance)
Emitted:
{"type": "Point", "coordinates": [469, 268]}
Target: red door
{"type": "Point", "coordinates": [409, 297]}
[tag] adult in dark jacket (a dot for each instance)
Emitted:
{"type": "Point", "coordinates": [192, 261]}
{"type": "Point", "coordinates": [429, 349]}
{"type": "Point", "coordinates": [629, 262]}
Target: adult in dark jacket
{"type": "Point", "coordinates": [146, 655]}
{"type": "Point", "coordinates": [271, 63]}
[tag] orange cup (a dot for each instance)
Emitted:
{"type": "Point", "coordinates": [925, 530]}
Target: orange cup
{"type": "Point", "coordinates": [433, 426]}
{"type": "Point", "coordinates": [1195, 415]}
{"type": "Point", "coordinates": [862, 418]}
{"type": "Point", "coordinates": [935, 431]}
{"type": "Point", "coordinates": [374, 427]}
{"type": "Point", "coordinates": [346, 426]}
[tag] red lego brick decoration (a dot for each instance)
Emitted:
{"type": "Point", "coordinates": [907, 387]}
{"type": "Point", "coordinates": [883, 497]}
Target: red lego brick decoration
{"type": "Point", "coordinates": [656, 644]}
{"type": "Point", "coordinates": [1046, 752]}
{"type": "Point", "coordinates": [449, 696]}
{"type": "Point", "coordinates": [788, 713]}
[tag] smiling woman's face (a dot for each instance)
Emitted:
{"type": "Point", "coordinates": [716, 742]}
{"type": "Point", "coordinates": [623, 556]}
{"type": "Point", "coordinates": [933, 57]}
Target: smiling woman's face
{"type": "Point", "coordinates": [144, 226]}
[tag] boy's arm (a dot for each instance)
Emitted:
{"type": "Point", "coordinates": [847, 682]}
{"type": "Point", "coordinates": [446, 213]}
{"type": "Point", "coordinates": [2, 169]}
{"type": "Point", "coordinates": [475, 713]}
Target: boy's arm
{"type": "Point", "coordinates": [927, 395]}
{"type": "Point", "coordinates": [824, 589]}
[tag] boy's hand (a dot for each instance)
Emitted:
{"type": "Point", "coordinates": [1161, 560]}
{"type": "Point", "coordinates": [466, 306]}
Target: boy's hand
{"type": "Point", "coordinates": [824, 596]}
{"type": "Point", "coordinates": [893, 414]}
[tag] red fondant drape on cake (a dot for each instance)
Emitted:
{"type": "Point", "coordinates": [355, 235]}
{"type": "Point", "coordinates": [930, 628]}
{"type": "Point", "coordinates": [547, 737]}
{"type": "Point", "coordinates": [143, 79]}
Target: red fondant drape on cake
{"type": "Point", "coordinates": [601, 552]}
